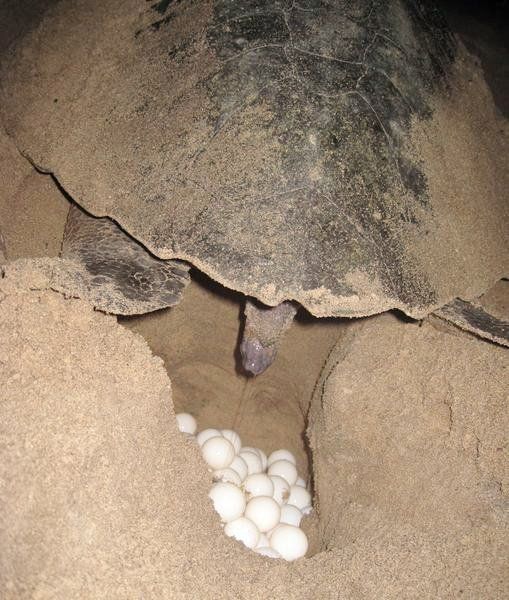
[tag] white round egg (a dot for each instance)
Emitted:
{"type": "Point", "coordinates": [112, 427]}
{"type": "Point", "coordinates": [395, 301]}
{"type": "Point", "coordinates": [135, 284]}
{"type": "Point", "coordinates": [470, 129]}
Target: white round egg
{"type": "Point", "coordinates": [239, 465]}
{"type": "Point", "coordinates": [263, 458]}
{"type": "Point", "coordinates": [206, 434]}
{"type": "Point", "coordinates": [218, 452]}
{"type": "Point", "coordinates": [267, 551]}
{"type": "Point", "coordinates": [290, 515]}
{"type": "Point", "coordinates": [290, 541]}
{"type": "Point", "coordinates": [281, 454]}
{"type": "Point", "coordinates": [301, 482]}
{"type": "Point", "coordinates": [186, 423]}
{"type": "Point", "coordinates": [228, 475]}
{"type": "Point", "coordinates": [299, 497]}
{"type": "Point", "coordinates": [253, 461]}
{"type": "Point", "coordinates": [285, 469]}
{"type": "Point", "coordinates": [261, 454]}
{"type": "Point", "coordinates": [263, 541]}
{"type": "Point", "coordinates": [233, 437]}
{"type": "Point", "coordinates": [281, 489]}
{"type": "Point", "coordinates": [258, 484]}
{"type": "Point", "coordinates": [229, 501]}
{"type": "Point", "coordinates": [243, 530]}
{"type": "Point", "coordinates": [264, 512]}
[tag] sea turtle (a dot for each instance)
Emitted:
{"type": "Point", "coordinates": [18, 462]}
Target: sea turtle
{"type": "Point", "coordinates": [340, 156]}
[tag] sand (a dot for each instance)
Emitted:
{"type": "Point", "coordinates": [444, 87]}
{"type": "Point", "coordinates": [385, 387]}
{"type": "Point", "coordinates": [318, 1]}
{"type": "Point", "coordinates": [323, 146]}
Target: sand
{"type": "Point", "coordinates": [103, 497]}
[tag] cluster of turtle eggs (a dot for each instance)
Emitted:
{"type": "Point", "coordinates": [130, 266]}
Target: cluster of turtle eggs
{"type": "Point", "coordinates": [261, 500]}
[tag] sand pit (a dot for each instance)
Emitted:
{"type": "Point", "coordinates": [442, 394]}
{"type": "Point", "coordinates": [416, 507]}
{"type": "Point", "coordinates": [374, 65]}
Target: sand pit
{"type": "Point", "coordinates": [103, 497]}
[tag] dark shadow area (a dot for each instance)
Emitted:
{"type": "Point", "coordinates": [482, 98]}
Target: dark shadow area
{"type": "Point", "coordinates": [18, 18]}
{"type": "Point", "coordinates": [482, 27]}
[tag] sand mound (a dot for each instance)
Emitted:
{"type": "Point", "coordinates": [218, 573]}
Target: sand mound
{"type": "Point", "coordinates": [101, 496]}
{"type": "Point", "coordinates": [408, 430]}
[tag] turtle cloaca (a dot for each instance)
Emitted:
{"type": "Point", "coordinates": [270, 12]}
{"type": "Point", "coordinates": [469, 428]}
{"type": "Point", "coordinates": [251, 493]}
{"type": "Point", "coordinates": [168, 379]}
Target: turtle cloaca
{"type": "Point", "coordinates": [340, 156]}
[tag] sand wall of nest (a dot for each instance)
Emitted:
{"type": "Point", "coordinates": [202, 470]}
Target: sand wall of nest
{"type": "Point", "coordinates": [102, 497]}
{"type": "Point", "coordinates": [408, 431]}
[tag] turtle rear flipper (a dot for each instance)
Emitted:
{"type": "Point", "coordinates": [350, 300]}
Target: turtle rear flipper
{"type": "Point", "coordinates": [114, 272]}
{"type": "Point", "coordinates": [476, 320]}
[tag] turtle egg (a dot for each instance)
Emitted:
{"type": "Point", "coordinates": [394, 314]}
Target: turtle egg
{"type": "Point", "coordinates": [267, 551]}
{"type": "Point", "coordinates": [258, 484]}
{"type": "Point", "coordinates": [264, 512]}
{"type": "Point", "coordinates": [229, 501]}
{"type": "Point", "coordinates": [206, 434]}
{"type": "Point", "coordinates": [263, 541]}
{"type": "Point", "coordinates": [253, 461]}
{"type": "Point", "coordinates": [261, 454]}
{"type": "Point", "coordinates": [263, 458]}
{"type": "Point", "coordinates": [233, 437]}
{"type": "Point", "coordinates": [243, 530]}
{"type": "Point", "coordinates": [290, 515]}
{"type": "Point", "coordinates": [218, 452]}
{"type": "Point", "coordinates": [301, 482]}
{"type": "Point", "coordinates": [290, 541]}
{"type": "Point", "coordinates": [228, 475]}
{"type": "Point", "coordinates": [282, 454]}
{"type": "Point", "coordinates": [239, 465]}
{"type": "Point", "coordinates": [285, 469]}
{"type": "Point", "coordinates": [186, 423]}
{"type": "Point", "coordinates": [281, 489]}
{"type": "Point", "coordinates": [250, 449]}
{"type": "Point", "coordinates": [299, 497]}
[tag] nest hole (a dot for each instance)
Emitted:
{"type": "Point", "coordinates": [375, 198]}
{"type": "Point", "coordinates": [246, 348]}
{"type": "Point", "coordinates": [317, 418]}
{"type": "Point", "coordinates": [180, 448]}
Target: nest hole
{"type": "Point", "coordinates": [198, 342]}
